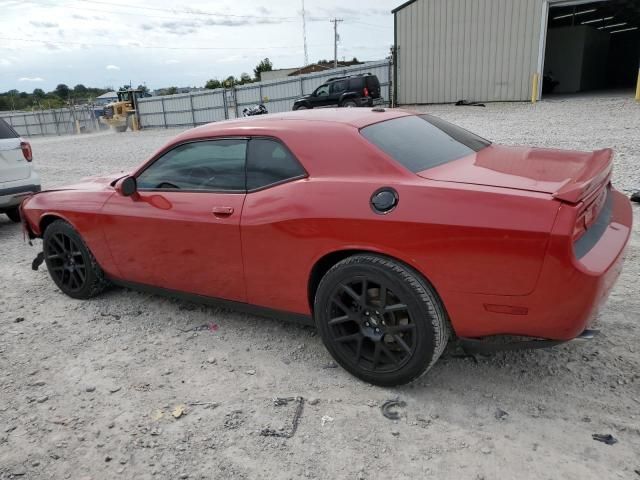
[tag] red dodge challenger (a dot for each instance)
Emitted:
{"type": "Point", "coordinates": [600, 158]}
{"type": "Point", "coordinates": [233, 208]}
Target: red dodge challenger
{"type": "Point", "coordinates": [390, 231]}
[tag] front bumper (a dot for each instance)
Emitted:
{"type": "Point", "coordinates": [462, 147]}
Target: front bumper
{"type": "Point", "coordinates": [12, 193]}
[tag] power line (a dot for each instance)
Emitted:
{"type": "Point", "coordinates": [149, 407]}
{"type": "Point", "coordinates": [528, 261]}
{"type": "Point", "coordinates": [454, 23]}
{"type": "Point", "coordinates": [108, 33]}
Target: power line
{"type": "Point", "coordinates": [188, 12]}
{"type": "Point", "coordinates": [165, 47]}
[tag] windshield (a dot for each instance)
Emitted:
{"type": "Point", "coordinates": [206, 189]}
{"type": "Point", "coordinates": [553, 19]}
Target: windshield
{"type": "Point", "coordinates": [420, 142]}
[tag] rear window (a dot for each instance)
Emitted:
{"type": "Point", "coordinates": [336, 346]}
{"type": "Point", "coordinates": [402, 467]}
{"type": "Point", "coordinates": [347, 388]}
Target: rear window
{"type": "Point", "coordinates": [6, 131]}
{"type": "Point", "coordinates": [356, 83]}
{"type": "Point", "coordinates": [420, 142]}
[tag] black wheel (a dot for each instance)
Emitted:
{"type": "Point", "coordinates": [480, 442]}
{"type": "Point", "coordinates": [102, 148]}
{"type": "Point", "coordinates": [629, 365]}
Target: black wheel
{"type": "Point", "coordinates": [301, 107]}
{"type": "Point", "coordinates": [380, 319]}
{"type": "Point", "coordinates": [13, 214]}
{"type": "Point", "coordinates": [121, 129]}
{"type": "Point", "coordinates": [349, 104]}
{"type": "Point", "coordinates": [70, 263]}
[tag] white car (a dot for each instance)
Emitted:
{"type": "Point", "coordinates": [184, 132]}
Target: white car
{"type": "Point", "coordinates": [18, 178]}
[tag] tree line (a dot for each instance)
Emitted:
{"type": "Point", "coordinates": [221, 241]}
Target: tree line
{"type": "Point", "coordinates": [61, 96]}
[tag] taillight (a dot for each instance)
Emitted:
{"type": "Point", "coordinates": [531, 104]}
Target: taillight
{"type": "Point", "coordinates": [580, 227]}
{"type": "Point", "coordinates": [26, 151]}
{"type": "Point", "coordinates": [365, 92]}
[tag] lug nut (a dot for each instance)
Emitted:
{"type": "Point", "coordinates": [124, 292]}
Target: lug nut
{"type": "Point", "coordinates": [366, 324]}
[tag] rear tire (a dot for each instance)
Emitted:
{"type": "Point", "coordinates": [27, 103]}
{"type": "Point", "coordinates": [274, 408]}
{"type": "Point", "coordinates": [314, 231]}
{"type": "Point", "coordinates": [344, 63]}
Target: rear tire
{"type": "Point", "coordinates": [13, 214]}
{"type": "Point", "coordinates": [71, 265]}
{"type": "Point", "coordinates": [349, 104]}
{"type": "Point", "coordinates": [301, 107]}
{"type": "Point", "coordinates": [380, 320]}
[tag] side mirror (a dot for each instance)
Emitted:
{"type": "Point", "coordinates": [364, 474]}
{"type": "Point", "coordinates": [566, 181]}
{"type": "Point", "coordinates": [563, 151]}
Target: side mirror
{"type": "Point", "coordinates": [127, 186]}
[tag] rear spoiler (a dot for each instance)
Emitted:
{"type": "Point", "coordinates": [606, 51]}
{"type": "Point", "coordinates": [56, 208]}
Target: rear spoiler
{"type": "Point", "coordinates": [596, 173]}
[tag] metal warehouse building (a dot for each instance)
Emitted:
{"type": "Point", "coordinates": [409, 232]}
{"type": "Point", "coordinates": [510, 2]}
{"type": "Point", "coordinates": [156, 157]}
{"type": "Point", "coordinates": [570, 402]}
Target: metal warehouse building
{"type": "Point", "coordinates": [501, 50]}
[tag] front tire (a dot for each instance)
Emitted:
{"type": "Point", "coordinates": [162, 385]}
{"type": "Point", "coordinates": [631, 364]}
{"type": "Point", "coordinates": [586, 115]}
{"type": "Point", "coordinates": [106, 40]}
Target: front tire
{"type": "Point", "coordinates": [380, 320]}
{"type": "Point", "coordinates": [301, 107]}
{"type": "Point", "coordinates": [13, 214]}
{"type": "Point", "coordinates": [71, 265]}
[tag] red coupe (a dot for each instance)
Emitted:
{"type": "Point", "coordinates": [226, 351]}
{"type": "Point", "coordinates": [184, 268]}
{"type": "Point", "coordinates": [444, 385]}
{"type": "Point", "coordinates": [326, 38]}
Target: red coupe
{"type": "Point", "coordinates": [390, 231]}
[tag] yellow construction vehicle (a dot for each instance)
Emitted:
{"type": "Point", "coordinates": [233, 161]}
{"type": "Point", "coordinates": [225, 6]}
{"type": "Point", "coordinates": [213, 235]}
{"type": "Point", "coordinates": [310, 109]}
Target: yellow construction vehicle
{"type": "Point", "coordinates": [122, 114]}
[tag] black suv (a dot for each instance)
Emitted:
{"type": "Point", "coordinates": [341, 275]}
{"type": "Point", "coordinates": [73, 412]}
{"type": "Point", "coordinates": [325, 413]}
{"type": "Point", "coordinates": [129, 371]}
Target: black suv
{"type": "Point", "coordinates": [354, 91]}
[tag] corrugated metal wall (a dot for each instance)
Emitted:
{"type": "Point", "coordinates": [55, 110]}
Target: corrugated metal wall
{"type": "Point", "coordinates": [191, 109]}
{"type": "Point", "coordinates": [476, 50]}
{"type": "Point", "coordinates": [59, 121]}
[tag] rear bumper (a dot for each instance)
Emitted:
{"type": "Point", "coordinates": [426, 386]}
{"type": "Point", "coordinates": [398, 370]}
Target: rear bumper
{"type": "Point", "coordinates": [569, 291]}
{"type": "Point", "coordinates": [12, 193]}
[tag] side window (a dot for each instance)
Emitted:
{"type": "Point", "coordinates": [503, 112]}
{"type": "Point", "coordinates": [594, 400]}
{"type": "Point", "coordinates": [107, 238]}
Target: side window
{"type": "Point", "coordinates": [6, 131]}
{"type": "Point", "coordinates": [269, 162]}
{"type": "Point", "coordinates": [322, 91]}
{"type": "Point", "coordinates": [339, 87]}
{"type": "Point", "coordinates": [208, 165]}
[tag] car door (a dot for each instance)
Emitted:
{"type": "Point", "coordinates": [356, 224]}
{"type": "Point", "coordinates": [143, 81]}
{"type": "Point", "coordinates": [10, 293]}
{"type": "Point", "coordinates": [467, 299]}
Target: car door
{"type": "Point", "coordinates": [182, 230]}
{"type": "Point", "coordinates": [336, 90]}
{"type": "Point", "coordinates": [274, 178]}
{"type": "Point", "coordinates": [320, 97]}
{"type": "Point", "coordinates": [13, 165]}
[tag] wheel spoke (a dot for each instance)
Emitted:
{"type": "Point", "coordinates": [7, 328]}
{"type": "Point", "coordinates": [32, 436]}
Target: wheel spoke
{"type": "Point", "coordinates": [376, 354]}
{"type": "Point", "coordinates": [349, 291]}
{"type": "Point", "coordinates": [365, 288]}
{"type": "Point", "coordinates": [81, 274]}
{"type": "Point", "coordinates": [341, 305]}
{"type": "Point", "coordinates": [382, 296]}
{"type": "Point", "coordinates": [402, 343]}
{"type": "Point", "coordinates": [388, 353]}
{"type": "Point", "coordinates": [349, 338]}
{"type": "Point", "coordinates": [359, 349]}
{"type": "Point", "coordinates": [395, 308]}
{"type": "Point", "coordinates": [393, 329]}
{"type": "Point", "coordinates": [59, 243]}
{"type": "Point", "coordinates": [339, 320]}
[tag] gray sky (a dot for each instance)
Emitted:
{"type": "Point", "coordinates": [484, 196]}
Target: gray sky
{"type": "Point", "coordinates": [101, 42]}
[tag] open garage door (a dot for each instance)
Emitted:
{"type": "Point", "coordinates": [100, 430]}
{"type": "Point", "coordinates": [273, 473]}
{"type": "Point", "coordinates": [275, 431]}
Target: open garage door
{"type": "Point", "coordinates": [591, 46]}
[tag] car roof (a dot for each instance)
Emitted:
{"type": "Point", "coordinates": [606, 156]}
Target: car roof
{"type": "Point", "coordinates": [299, 120]}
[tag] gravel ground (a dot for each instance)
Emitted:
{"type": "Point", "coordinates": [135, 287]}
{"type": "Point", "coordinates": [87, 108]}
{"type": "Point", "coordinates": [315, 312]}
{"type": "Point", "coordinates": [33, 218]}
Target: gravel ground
{"type": "Point", "coordinates": [88, 389]}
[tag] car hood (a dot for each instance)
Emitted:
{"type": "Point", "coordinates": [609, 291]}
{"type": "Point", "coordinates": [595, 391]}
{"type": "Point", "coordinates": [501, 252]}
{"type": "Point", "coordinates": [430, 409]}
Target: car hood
{"type": "Point", "coordinates": [97, 183]}
{"type": "Point", "coordinates": [566, 174]}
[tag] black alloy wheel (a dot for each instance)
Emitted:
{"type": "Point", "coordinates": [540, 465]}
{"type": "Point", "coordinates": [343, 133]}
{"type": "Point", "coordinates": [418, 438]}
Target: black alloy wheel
{"type": "Point", "coordinates": [380, 319]}
{"type": "Point", "coordinates": [70, 263]}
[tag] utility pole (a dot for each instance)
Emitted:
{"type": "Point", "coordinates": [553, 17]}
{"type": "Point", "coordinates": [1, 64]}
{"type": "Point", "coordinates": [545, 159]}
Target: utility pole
{"type": "Point", "coordinates": [304, 35]}
{"type": "Point", "coordinates": [336, 37]}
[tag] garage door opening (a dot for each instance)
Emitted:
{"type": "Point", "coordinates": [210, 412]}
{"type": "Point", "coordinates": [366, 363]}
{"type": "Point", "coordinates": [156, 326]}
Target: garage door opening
{"type": "Point", "coordinates": [592, 46]}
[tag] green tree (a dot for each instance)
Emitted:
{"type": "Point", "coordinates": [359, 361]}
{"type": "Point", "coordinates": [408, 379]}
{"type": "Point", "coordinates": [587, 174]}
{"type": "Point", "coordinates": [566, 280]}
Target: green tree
{"type": "Point", "coordinates": [38, 93]}
{"type": "Point", "coordinates": [172, 90]}
{"type": "Point", "coordinates": [230, 81]}
{"type": "Point", "coordinates": [211, 84]}
{"type": "Point", "coordinates": [80, 90]}
{"type": "Point", "coordinates": [143, 88]}
{"type": "Point", "coordinates": [245, 78]}
{"type": "Point", "coordinates": [265, 65]}
{"type": "Point", "coordinates": [62, 91]}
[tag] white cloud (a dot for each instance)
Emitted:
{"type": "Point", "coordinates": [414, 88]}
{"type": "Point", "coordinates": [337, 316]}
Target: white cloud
{"type": "Point", "coordinates": [171, 61]}
{"type": "Point", "coordinates": [112, 67]}
{"type": "Point", "coordinates": [31, 79]}
{"type": "Point", "coordinates": [4, 62]}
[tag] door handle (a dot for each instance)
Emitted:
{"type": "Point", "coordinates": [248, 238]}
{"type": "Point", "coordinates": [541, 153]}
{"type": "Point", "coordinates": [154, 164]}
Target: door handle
{"type": "Point", "coordinates": [222, 211]}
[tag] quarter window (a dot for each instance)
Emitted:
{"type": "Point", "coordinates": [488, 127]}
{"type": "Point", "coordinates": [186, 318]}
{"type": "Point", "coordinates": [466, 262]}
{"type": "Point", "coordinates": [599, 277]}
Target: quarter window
{"type": "Point", "coordinates": [208, 165]}
{"type": "Point", "coordinates": [339, 87]}
{"type": "Point", "coordinates": [269, 162]}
